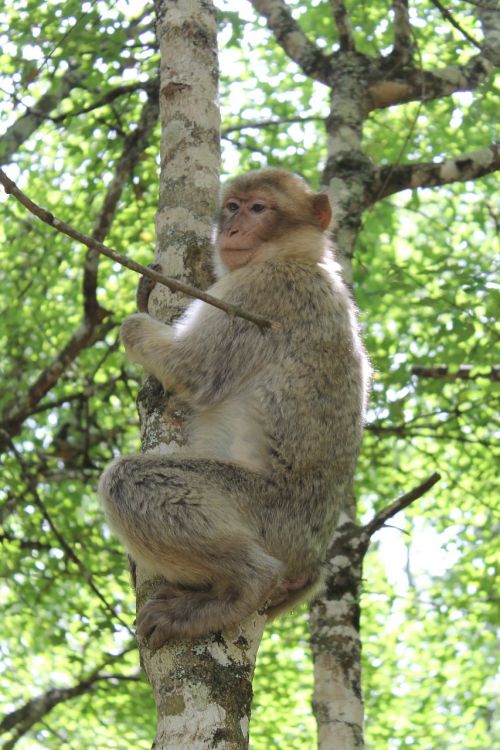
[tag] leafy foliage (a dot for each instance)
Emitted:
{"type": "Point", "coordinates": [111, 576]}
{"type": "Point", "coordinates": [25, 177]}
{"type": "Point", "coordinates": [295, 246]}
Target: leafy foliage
{"type": "Point", "coordinates": [424, 275]}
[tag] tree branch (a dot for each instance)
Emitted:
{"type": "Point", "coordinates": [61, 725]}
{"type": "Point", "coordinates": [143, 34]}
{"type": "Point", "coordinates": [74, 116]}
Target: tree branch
{"type": "Point", "coordinates": [108, 98]}
{"type": "Point", "coordinates": [266, 123]}
{"type": "Point", "coordinates": [448, 16]}
{"type": "Point", "coordinates": [403, 37]}
{"type": "Point", "coordinates": [133, 148]}
{"type": "Point", "coordinates": [394, 178]}
{"type": "Point", "coordinates": [464, 372]}
{"type": "Point", "coordinates": [381, 518]}
{"type": "Point", "coordinates": [343, 23]}
{"type": "Point", "coordinates": [22, 719]}
{"type": "Point", "coordinates": [67, 549]}
{"type": "Point", "coordinates": [287, 31]}
{"type": "Point", "coordinates": [123, 260]}
{"type": "Point", "coordinates": [26, 125]}
{"type": "Point", "coordinates": [15, 413]}
{"type": "Point", "coordinates": [404, 85]}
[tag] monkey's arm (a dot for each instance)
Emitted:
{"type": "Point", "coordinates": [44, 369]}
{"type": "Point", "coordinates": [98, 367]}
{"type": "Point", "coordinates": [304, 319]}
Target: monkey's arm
{"type": "Point", "coordinates": [204, 361]}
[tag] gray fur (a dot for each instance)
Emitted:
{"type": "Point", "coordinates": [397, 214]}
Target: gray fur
{"type": "Point", "coordinates": [250, 506]}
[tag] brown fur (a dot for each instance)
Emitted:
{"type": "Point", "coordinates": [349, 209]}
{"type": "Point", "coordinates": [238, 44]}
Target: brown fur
{"type": "Point", "coordinates": [243, 516]}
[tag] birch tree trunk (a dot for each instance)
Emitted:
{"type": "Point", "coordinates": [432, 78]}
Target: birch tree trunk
{"type": "Point", "coordinates": [334, 622]}
{"type": "Point", "coordinates": [202, 688]}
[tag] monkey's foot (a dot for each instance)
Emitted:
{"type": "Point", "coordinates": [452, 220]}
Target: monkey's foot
{"type": "Point", "coordinates": [174, 612]}
{"type": "Point", "coordinates": [154, 620]}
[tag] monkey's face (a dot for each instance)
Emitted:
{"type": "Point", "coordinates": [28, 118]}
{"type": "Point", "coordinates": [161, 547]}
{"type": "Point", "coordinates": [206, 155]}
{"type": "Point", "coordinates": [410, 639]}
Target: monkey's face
{"type": "Point", "coordinates": [246, 222]}
{"type": "Point", "coordinates": [262, 213]}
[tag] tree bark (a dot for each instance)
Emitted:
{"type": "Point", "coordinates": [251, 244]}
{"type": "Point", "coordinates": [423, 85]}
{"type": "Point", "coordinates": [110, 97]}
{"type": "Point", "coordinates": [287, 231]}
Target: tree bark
{"type": "Point", "coordinates": [203, 687]}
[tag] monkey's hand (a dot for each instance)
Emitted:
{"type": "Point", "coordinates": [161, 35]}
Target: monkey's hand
{"type": "Point", "coordinates": [144, 289]}
{"type": "Point", "coordinates": [147, 342]}
{"type": "Point", "coordinates": [134, 334]}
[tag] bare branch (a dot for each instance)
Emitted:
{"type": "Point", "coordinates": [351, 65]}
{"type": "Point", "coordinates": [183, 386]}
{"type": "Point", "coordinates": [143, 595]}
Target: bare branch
{"type": "Point", "coordinates": [413, 84]}
{"type": "Point", "coordinates": [173, 284]}
{"type": "Point", "coordinates": [470, 166]}
{"type": "Point", "coordinates": [287, 31]}
{"type": "Point", "coordinates": [108, 98]}
{"type": "Point", "coordinates": [381, 518]}
{"type": "Point", "coordinates": [489, 18]}
{"type": "Point", "coordinates": [266, 123]}
{"type": "Point", "coordinates": [403, 36]}
{"type": "Point", "coordinates": [22, 719]}
{"type": "Point", "coordinates": [68, 550]}
{"type": "Point", "coordinates": [394, 84]}
{"type": "Point", "coordinates": [123, 260]}
{"type": "Point", "coordinates": [446, 14]}
{"type": "Point", "coordinates": [343, 23]}
{"type": "Point", "coordinates": [464, 372]}
{"type": "Point", "coordinates": [26, 125]}
{"type": "Point", "coordinates": [15, 413]}
{"type": "Point", "coordinates": [133, 148]}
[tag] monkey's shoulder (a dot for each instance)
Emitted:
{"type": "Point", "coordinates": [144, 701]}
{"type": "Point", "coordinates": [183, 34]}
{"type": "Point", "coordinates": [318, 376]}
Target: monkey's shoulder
{"type": "Point", "coordinates": [285, 288]}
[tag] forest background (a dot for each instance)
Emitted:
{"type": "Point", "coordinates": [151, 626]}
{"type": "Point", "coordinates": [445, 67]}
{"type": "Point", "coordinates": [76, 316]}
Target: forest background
{"type": "Point", "coordinates": [79, 86]}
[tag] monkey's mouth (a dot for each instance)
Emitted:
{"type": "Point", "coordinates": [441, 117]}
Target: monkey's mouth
{"type": "Point", "coordinates": [236, 257]}
{"type": "Point", "coordinates": [237, 251]}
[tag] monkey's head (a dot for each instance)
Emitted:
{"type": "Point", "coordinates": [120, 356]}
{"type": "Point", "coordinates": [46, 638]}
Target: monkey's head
{"type": "Point", "coordinates": [265, 213]}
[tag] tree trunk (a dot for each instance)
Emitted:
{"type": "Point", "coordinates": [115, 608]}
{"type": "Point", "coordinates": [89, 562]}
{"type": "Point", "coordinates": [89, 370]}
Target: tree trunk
{"type": "Point", "coordinates": [203, 687]}
{"type": "Point", "coordinates": [334, 622]}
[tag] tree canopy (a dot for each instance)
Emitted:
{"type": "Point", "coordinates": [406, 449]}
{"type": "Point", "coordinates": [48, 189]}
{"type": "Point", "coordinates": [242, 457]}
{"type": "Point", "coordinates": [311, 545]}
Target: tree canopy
{"type": "Point", "coordinates": [79, 91]}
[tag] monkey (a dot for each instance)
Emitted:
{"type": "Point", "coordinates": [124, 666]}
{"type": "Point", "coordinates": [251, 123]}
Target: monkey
{"type": "Point", "coordinates": [240, 519]}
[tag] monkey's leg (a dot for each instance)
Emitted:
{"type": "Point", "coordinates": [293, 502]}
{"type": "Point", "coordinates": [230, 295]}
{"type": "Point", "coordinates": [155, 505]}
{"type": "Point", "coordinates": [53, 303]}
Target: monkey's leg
{"type": "Point", "coordinates": [184, 519]}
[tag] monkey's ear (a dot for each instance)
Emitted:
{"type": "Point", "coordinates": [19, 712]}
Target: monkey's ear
{"type": "Point", "coordinates": [322, 210]}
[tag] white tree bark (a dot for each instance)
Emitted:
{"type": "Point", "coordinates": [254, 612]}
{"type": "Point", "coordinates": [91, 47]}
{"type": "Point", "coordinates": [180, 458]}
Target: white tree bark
{"type": "Point", "coordinates": [202, 688]}
{"type": "Point", "coordinates": [336, 644]}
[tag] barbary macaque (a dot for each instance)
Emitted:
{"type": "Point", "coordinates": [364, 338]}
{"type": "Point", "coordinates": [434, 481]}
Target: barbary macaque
{"type": "Point", "coordinates": [240, 520]}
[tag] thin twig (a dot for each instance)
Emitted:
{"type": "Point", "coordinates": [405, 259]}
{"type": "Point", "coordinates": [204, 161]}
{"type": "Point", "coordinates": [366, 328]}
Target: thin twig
{"type": "Point", "coordinates": [172, 284]}
{"type": "Point", "coordinates": [256, 124]}
{"type": "Point", "coordinates": [464, 372]}
{"type": "Point", "coordinates": [70, 553]}
{"type": "Point", "coordinates": [404, 40]}
{"type": "Point", "coordinates": [20, 720]}
{"type": "Point", "coordinates": [107, 98]}
{"type": "Point", "coordinates": [343, 23]}
{"type": "Point", "coordinates": [381, 518]}
{"type": "Point", "coordinates": [446, 14]}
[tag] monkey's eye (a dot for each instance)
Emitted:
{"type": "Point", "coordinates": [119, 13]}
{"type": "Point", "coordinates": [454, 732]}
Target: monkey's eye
{"type": "Point", "coordinates": [257, 208]}
{"type": "Point", "coordinates": [232, 206]}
